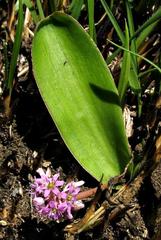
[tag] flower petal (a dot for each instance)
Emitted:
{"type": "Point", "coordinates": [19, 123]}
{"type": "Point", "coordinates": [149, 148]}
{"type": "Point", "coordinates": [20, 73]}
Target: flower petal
{"type": "Point", "coordinates": [48, 172]}
{"type": "Point", "coordinates": [41, 172]}
{"type": "Point", "coordinates": [47, 193]}
{"type": "Point", "coordinates": [38, 201]}
{"type": "Point", "coordinates": [78, 184]}
{"type": "Point", "coordinates": [78, 205]}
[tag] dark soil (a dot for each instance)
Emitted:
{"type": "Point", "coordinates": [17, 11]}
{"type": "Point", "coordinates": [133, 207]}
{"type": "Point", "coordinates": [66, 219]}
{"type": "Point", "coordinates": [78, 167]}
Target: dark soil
{"type": "Point", "coordinates": [29, 140]}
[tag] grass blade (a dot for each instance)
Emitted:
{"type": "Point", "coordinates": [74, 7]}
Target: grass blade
{"type": "Point", "coordinates": [125, 70]}
{"type": "Point", "coordinates": [154, 18]}
{"type": "Point", "coordinates": [113, 21]}
{"type": "Point", "coordinates": [52, 4]}
{"type": "Point", "coordinates": [145, 33]}
{"type": "Point", "coordinates": [134, 80]}
{"type": "Point", "coordinates": [75, 8]}
{"type": "Point", "coordinates": [16, 48]}
{"type": "Point", "coordinates": [40, 9]}
{"type": "Point", "coordinates": [91, 19]}
{"type": "Point", "coordinates": [31, 8]}
{"type": "Point", "coordinates": [131, 31]}
{"type": "Point", "coordinates": [138, 55]}
{"type": "Point", "coordinates": [111, 57]}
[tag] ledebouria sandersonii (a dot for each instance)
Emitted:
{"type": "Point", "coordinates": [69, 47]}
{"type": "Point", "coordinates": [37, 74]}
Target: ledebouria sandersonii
{"type": "Point", "coordinates": [54, 198]}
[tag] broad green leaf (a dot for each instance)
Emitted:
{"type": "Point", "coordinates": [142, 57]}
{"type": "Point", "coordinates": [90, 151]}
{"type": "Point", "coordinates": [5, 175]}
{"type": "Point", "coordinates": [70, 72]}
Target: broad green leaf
{"type": "Point", "coordinates": [80, 95]}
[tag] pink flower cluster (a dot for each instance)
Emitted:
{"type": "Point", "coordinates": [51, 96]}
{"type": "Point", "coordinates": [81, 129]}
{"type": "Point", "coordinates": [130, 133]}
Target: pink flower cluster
{"type": "Point", "coordinates": [53, 198]}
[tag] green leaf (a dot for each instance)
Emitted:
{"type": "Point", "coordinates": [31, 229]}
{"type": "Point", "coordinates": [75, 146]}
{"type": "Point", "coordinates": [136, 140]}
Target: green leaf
{"type": "Point", "coordinates": [145, 29]}
{"type": "Point", "coordinates": [125, 70]}
{"type": "Point", "coordinates": [32, 10]}
{"type": "Point", "coordinates": [53, 5]}
{"type": "Point", "coordinates": [113, 21]}
{"type": "Point", "coordinates": [16, 48]}
{"type": "Point", "coordinates": [75, 8]}
{"type": "Point", "coordinates": [80, 95]}
{"type": "Point", "coordinates": [134, 80]}
{"type": "Point", "coordinates": [138, 55]}
{"type": "Point", "coordinates": [145, 33]}
{"type": "Point", "coordinates": [92, 32]}
{"type": "Point", "coordinates": [112, 56]}
{"type": "Point", "coordinates": [40, 9]}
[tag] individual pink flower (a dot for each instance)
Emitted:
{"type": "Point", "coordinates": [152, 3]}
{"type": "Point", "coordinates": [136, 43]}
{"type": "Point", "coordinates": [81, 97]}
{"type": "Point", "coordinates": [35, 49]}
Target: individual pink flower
{"type": "Point", "coordinates": [47, 184]}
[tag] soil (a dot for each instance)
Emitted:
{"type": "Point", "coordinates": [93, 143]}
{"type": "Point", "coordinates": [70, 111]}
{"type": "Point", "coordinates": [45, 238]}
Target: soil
{"type": "Point", "coordinates": [29, 140]}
